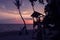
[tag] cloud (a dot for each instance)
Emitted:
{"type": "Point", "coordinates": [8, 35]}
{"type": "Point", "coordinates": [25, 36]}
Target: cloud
{"type": "Point", "coordinates": [6, 15]}
{"type": "Point", "coordinates": [11, 21]}
{"type": "Point", "coordinates": [2, 6]}
{"type": "Point", "coordinates": [10, 14]}
{"type": "Point", "coordinates": [11, 18]}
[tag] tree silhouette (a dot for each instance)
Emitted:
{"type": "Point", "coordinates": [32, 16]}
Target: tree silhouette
{"type": "Point", "coordinates": [18, 5]}
{"type": "Point", "coordinates": [41, 1]}
{"type": "Point", "coordinates": [53, 10]}
{"type": "Point", "coordinates": [32, 3]}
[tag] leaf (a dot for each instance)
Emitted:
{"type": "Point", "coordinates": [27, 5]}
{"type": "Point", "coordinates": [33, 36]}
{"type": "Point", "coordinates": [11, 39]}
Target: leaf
{"type": "Point", "coordinates": [17, 3]}
{"type": "Point", "coordinates": [41, 1]}
{"type": "Point", "coordinates": [32, 2]}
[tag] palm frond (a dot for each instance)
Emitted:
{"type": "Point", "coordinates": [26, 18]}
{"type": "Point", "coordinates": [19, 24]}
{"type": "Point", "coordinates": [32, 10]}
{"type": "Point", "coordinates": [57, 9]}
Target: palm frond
{"type": "Point", "coordinates": [41, 1]}
{"type": "Point", "coordinates": [32, 2]}
{"type": "Point", "coordinates": [17, 3]}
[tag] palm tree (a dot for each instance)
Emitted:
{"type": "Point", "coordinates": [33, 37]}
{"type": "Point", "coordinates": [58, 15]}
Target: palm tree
{"type": "Point", "coordinates": [32, 3]}
{"type": "Point", "coordinates": [18, 5]}
{"type": "Point", "coordinates": [41, 1]}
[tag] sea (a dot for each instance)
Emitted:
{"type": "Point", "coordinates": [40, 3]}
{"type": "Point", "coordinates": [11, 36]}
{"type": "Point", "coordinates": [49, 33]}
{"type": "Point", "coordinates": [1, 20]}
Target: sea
{"type": "Point", "coordinates": [10, 32]}
{"type": "Point", "coordinates": [14, 27]}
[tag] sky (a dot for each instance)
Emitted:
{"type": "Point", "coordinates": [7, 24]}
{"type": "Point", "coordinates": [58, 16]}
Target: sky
{"type": "Point", "coordinates": [9, 13]}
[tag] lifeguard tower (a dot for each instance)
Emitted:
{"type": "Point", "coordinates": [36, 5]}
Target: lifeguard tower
{"type": "Point", "coordinates": [36, 19]}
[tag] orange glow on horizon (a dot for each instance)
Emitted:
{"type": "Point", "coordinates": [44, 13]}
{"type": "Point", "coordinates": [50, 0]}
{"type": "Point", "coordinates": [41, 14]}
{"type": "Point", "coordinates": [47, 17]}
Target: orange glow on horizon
{"type": "Point", "coordinates": [20, 21]}
{"type": "Point", "coordinates": [29, 21]}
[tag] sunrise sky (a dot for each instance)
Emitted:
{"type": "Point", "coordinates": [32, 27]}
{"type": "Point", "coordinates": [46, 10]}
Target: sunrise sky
{"type": "Point", "coordinates": [9, 13]}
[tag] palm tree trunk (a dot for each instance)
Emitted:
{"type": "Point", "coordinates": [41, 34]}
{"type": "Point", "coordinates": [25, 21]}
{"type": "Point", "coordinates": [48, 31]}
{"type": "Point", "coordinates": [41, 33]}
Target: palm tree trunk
{"type": "Point", "coordinates": [32, 6]}
{"type": "Point", "coordinates": [22, 18]}
{"type": "Point", "coordinates": [24, 28]}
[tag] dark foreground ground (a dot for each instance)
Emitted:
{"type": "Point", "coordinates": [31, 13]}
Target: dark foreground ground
{"type": "Point", "coordinates": [14, 35]}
